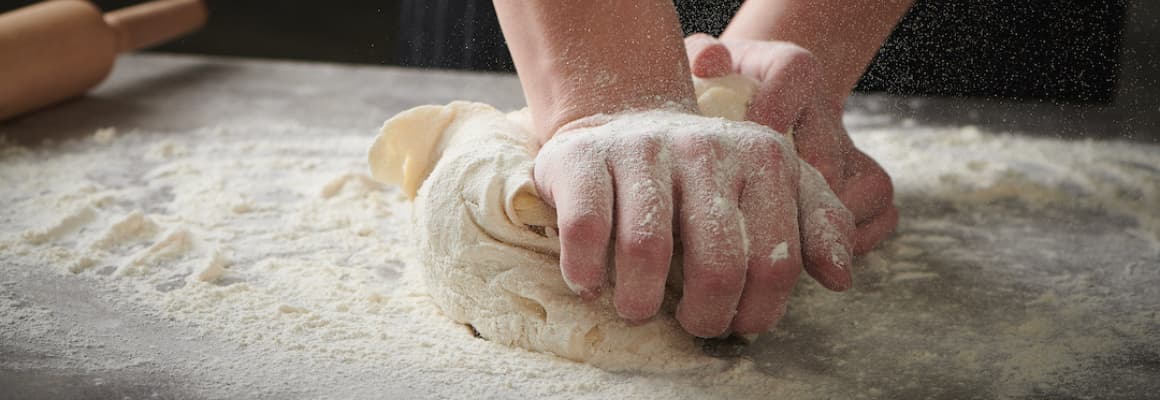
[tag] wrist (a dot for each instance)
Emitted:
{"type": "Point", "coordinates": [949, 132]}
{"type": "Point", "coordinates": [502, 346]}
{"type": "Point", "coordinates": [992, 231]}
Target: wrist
{"type": "Point", "coordinates": [586, 106]}
{"type": "Point", "coordinates": [582, 58]}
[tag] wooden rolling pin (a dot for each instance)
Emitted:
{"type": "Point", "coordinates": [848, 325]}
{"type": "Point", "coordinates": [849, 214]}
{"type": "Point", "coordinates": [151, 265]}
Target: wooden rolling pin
{"type": "Point", "coordinates": [57, 49]}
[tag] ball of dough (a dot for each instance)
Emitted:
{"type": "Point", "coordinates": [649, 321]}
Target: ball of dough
{"type": "Point", "coordinates": [487, 243]}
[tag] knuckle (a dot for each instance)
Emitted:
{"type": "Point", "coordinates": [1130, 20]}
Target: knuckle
{"type": "Point", "coordinates": [646, 147]}
{"type": "Point", "coordinates": [583, 228]}
{"type": "Point", "coordinates": [579, 144]}
{"type": "Point", "coordinates": [645, 246]}
{"type": "Point", "coordinates": [571, 142]}
{"type": "Point", "coordinates": [774, 275]}
{"type": "Point", "coordinates": [563, 155]}
{"type": "Point", "coordinates": [696, 145]}
{"type": "Point", "coordinates": [719, 281]}
{"type": "Point", "coordinates": [766, 146]}
{"type": "Point", "coordinates": [759, 144]}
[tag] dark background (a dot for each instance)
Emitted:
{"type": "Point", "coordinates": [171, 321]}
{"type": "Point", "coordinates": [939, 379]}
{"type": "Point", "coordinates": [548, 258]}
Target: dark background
{"type": "Point", "coordinates": [1065, 51]}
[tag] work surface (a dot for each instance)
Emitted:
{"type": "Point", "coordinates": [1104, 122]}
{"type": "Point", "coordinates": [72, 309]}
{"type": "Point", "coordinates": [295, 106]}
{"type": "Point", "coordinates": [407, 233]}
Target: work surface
{"type": "Point", "coordinates": [204, 228]}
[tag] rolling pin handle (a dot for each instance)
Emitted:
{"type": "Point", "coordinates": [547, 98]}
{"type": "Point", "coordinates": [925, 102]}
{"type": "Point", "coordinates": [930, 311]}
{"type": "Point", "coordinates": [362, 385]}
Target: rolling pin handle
{"type": "Point", "coordinates": [150, 23]}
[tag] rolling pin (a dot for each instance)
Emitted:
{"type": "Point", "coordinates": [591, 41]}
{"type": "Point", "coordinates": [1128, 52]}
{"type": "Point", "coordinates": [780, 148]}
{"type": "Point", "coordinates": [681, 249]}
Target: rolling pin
{"type": "Point", "coordinates": [53, 50]}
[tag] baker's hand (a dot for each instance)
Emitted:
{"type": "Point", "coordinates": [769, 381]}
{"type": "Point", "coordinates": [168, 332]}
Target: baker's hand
{"type": "Point", "coordinates": [790, 96]}
{"type": "Point", "coordinates": [731, 192]}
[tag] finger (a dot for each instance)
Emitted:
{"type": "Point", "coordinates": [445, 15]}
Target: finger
{"type": "Point", "coordinates": [713, 237]}
{"type": "Point", "coordinates": [876, 230]}
{"type": "Point", "coordinates": [868, 190]}
{"type": "Point", "coordinates": [581, 192]}
{"type": "Point", "coordinates": [774, 260]}
{"type": "Point", "coordinates": [827, 233]}
{"type": "Point", "coordinates": [708, 57]}
{"type": "Point", "coordinates": [789, 78]}
{"type": "Point", "coordinates": [788, 98]}
{"type": "Point", "coordinates": [644, 234]}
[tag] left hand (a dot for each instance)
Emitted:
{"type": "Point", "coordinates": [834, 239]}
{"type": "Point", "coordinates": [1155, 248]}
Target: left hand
{"type": "Point", "coordinates": [789, 96]}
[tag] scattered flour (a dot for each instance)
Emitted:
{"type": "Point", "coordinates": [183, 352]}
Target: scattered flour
{"type": "Point", "coordinates": [247, 261]}
{"type": "Point", "coordinates": [105, 135]}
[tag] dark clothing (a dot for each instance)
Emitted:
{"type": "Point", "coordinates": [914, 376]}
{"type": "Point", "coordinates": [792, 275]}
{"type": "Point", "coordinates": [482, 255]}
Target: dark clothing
{"type": "Point", "coordinates": [453, 34]}
{"type": "Point", "coordinates": [465, 34]}
{"type": "Point", "coordinates": [1063, 50]}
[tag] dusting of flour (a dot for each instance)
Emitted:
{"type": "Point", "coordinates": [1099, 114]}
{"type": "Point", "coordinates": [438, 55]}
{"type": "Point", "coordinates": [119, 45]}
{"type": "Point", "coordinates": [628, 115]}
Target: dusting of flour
{"type": "Point", "coordinates": [242, 261]}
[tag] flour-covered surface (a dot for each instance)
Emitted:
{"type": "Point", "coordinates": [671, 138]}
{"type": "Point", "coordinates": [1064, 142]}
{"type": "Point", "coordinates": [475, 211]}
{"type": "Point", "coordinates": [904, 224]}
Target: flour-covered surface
{"type": "Point", "coordinates": [213, 234]}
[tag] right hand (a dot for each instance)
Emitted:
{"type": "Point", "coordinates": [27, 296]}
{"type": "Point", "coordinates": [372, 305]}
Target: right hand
{"type": "Point", "coordinates": [736, 193]}
{"type": "Point", "coordinates": [790, 96]}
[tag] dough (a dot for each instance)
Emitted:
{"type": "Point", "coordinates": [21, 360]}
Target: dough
{"type": "Point", "coordinates": [487, 243]}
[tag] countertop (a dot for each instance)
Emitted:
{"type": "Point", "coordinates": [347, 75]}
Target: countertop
{"type": "Point", "coordinates": [981, 293]}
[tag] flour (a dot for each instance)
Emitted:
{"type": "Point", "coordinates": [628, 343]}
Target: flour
{"type": "Point", "coordinates": [994, 285]}
{"type": "Point", "coordinates": [780, 252]}
{"type": "Point", "coordinates": [105, 135]}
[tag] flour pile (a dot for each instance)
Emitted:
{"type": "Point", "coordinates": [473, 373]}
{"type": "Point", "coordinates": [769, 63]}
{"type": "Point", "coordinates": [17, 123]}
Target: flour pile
{"type": "Point", "coordinates": [242, 261]}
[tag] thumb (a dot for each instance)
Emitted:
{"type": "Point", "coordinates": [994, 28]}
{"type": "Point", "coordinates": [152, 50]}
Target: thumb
{"type": "Point", "coordinates": [708, 57]}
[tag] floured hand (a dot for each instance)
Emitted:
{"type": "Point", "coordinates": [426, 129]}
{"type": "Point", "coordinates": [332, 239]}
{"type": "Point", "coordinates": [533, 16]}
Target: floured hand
{"type": "Point", "coordinates": [734, 192]}
{"type": "Point", "coordinates": [789, 97]}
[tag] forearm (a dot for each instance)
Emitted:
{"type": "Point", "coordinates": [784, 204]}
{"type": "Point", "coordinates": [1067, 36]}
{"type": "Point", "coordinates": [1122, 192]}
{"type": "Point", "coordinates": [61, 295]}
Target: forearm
{"type": "Point", "coordinates": [580, 58]}
{"type": "Point", "coordinates": [844, 35]}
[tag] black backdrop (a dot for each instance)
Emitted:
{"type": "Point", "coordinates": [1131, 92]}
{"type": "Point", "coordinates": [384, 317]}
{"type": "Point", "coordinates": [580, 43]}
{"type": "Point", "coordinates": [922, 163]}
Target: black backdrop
{"type": "Point", "coordinates": [1060, 50]}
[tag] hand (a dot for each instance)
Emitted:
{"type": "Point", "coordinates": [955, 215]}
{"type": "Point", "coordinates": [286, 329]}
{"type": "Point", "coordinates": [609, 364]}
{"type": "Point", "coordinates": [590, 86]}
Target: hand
{"type": "Point", "coordinates": [790, 96]}
{"type": "Point", "coordinates": [731, 191]}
